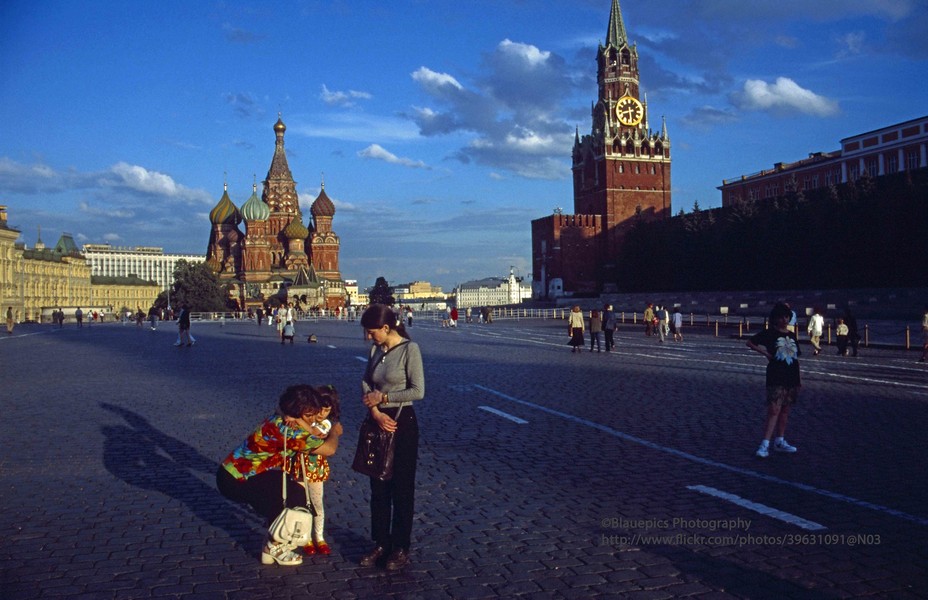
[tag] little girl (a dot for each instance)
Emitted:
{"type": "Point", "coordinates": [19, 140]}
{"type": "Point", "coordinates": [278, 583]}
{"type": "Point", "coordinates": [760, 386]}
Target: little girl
{"type": "Point", "coordinates": [317, 467]}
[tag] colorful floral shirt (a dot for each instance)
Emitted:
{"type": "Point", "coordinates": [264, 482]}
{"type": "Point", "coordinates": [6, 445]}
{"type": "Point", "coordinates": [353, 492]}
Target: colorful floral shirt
{"type": "Point", "coordinates": [262, 451]}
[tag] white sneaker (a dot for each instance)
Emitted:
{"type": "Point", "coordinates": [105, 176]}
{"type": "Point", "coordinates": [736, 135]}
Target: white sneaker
{"type": "Point", "coordinates": [780, 445]}
{"type": "Point", "coordinates": [282, 554]}
{"type": "Point", "coordinates": [763, 451]}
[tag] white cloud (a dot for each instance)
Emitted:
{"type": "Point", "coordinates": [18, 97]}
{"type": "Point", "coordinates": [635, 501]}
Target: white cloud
{"type": "Point", "coordinates": [335, 98]}
{"type": "Point", "coordinates": [139, 179]}
{"type": "Point", "coordinates": [377, 152]}
{"type": "Point", "coordinates": [432, 80]}
{"type": "Point", "coordinates": [528, 53]}
{"type": "Point", "coordinates": [785, 95]}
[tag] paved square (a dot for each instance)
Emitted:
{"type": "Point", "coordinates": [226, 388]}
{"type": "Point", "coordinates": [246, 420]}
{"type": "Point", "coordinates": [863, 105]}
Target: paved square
{"type": "Point", "coordinates": [542, 474]}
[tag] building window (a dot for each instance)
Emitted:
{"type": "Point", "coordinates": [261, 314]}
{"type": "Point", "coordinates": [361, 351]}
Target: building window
{"type": "Point", "coordinates": [872, 167]}
{"type": "Point", "coordinates": [892, 163]}
{"type": "Point", "coordinates": [853, 174]}
{"type": "Point", "coordinates": [911, 160]}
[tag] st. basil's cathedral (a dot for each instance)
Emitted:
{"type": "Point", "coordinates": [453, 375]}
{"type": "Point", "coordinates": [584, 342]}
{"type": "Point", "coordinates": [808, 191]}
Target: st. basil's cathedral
{"type": "Point", "coordinates": [277, 256]}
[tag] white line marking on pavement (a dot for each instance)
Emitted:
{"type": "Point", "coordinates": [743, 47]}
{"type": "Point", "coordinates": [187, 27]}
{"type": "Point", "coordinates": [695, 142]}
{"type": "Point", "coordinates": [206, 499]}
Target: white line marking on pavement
{"type": "Point", "coordinates": [705, 461]}
{"type": "Point", "coordinates": [512, 418]}
{"type": "Point", "coordinates": [361, 358]}
{"type": "Point", "coordinates": [760, 508]}
{"type": "Point", "coordinates": [331, 346]}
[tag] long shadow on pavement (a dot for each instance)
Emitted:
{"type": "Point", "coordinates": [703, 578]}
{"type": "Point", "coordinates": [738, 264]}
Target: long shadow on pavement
{"type": "Point", "coordinates": [145, 457]}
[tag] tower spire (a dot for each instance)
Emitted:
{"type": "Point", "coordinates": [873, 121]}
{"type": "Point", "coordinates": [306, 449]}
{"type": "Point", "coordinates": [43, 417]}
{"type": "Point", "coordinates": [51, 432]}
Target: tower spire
{"type": "Point", "coordinates": [615, 33]}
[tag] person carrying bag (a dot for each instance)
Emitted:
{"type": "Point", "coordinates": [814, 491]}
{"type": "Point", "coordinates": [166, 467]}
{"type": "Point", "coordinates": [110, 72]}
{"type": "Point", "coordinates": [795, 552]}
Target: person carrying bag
{"type": "Point", "coordinates": [392, 382]}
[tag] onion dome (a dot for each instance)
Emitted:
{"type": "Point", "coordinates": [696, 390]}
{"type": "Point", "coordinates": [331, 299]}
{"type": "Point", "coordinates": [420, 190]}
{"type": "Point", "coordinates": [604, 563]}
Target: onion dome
{"type": "Point", "coordinates": [296, 230]}
{"type": "Point", "coordinates": [214, 264]}
{"type": "Point", "coordinates": [225, 213]}
{"type": "Point", "coordinates": [322, 206]}
{"type": "Point", "coordinates": [279, 126]}
{"type": "Point", "coordinates": [254, 208]}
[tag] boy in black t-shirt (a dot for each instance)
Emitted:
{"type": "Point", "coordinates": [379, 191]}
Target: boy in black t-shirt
{"type": "Point", "coordinates": [781, 348]}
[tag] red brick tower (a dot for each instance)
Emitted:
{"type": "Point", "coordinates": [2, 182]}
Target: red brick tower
{"type": "Point", "coordinates": [620, 169]}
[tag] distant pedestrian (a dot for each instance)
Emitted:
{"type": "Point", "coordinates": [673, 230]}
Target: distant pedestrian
{"type": "Point", "coordinates": [815, 329]}
{"type": "Point", "coordinates": [780, 347]}
{"type": "Point", "coordinates": [453, 321]}
{"type": "Point", "coordinates": [288, 333]}
{"type": "Point", "coordinates": [649, 319]}
{"type": "Point", "coordinates": [841, 332]}
{"type": "Point", "coordinates": [183, 328]}
{"type": "Point", "coordinates": [609, 327]}
{"type": "Point", "coordinates": [79, 315]}
{"type": "Point", "coordinates": [153, 317]}
{"type": "Point", "coordinates": [676, 324]}
{"type": "Point", "coordinates": [408, 316]}
{"type": "Point", "coordinates": [467, 317]}
{"type": "Point", "coordinates": [663, 322]}
{"type": "Point", "coordinates": [924, 336]}
{"type": "Point", "coordinates": [853, 333]}
{"type": "Point", "coordinates": [575, 329]}
{"type": "Point", "coordinates": [596, 327]}
{"type": "Point", "coordinates": [9, 320]}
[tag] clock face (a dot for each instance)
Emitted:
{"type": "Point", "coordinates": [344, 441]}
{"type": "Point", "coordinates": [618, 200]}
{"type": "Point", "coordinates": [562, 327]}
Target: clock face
{"type": "Point", "coordinates": [629, 111]}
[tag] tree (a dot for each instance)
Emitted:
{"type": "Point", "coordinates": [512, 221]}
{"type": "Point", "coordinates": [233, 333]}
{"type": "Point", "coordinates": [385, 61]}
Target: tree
{"type": "Point", "coordinates": [197, 287]}
{"type": "Point", "coordinates": [382, 293]}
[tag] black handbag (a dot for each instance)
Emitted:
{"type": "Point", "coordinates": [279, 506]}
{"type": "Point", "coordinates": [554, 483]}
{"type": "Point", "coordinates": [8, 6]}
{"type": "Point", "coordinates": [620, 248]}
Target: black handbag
{"type": "Point", "coordinates": [374, 454]}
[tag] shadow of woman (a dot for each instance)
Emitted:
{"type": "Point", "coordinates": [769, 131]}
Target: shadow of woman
{"type": "Point", "coordinates": [146, 458]}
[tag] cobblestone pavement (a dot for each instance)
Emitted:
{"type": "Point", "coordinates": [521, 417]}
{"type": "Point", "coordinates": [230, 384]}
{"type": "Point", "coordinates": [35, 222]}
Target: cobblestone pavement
{"type": "Point", "coordinates": [542, 474]}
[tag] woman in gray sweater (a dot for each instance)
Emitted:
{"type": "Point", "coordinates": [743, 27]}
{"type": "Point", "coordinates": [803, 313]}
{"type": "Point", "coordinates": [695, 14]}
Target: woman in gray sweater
{"type": "Point", "coordinates": [393, 380]}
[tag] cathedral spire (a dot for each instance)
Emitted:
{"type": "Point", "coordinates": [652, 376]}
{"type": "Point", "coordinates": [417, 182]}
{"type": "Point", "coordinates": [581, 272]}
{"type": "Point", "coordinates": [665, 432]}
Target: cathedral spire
{"type": "Point", "coordinates": [615, 33]}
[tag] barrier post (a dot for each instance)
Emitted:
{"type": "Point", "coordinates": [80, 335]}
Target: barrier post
{"type": "Point", "coordinates": [866, 336]}
{"type": "Point", "coordinates": [716, 328]}
{"type": "Point", "coordinates": [907, 337]}
{"type": "Point", "coordinates": [740, 328]}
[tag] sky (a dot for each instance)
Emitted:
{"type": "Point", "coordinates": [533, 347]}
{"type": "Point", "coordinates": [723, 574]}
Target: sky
{"type": "Point", "coordinates": [440, 128]}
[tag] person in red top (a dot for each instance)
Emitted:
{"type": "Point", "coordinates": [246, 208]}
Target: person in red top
{"type": "Point", "coordinates": [251, 474]}
{"type": "Point", "coordinates": [454, 316]}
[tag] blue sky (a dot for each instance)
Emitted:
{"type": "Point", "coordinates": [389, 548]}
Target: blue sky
{"type": "Point", "coordinates": [442, 127]}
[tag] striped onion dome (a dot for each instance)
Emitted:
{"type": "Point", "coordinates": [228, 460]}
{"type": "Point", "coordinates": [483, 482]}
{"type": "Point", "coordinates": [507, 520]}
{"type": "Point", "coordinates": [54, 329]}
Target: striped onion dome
{"type": "Point", "coordinates": [254, 208]}
{"type": "Point", "coordinates": [225, 212]}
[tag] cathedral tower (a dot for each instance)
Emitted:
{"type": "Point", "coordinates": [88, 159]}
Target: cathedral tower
{"type": "Point", "coordinates": [281, 198]}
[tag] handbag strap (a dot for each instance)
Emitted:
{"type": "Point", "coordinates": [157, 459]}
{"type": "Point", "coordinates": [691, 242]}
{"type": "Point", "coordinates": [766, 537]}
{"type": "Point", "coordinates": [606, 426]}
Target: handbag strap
{"type": "Point", "coordinates": [283, 470]}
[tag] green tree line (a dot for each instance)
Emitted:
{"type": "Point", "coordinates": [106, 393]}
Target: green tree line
{"type": "Point", "coordinates": [869, 233]}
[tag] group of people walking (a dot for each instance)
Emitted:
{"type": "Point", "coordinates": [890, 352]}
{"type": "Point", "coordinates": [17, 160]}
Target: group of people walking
{"type": "Point", "coordinates": [599, 323]}
{"type": "Point", "coordinates": [294, 443]}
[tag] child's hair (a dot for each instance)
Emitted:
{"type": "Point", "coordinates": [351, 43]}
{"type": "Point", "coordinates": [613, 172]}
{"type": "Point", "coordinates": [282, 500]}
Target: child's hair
{"type": "Point", "coordinates": [301, 399]}
{"type": "Point", "coordinates": [780, 310]}
{"type": "Point", "coordinates": [840, 321]}
{"type": "Point", "coordinates": [594, 314]}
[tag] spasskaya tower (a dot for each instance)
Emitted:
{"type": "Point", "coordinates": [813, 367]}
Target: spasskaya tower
{"type": "Point", "coordinates": [621, 170]}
